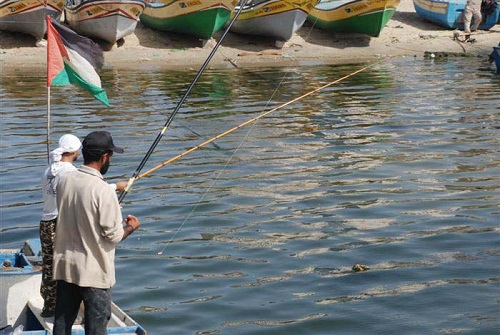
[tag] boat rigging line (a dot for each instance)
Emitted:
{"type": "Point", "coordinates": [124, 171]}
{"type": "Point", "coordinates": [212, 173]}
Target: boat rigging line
{"type": "Point", "coordinates": [178, 106]}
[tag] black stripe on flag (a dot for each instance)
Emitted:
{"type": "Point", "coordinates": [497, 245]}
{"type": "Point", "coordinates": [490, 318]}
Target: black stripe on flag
{"type": "Point", "coordinates": [87, 48]}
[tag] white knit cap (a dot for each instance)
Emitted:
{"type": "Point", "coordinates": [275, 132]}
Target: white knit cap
{"type": "Point", "coordinates": [67, 143]}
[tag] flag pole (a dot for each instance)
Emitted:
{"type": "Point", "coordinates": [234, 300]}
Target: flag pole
{"type": "Point", "coordinates": [48, 125]}
{"type": "Point", "coordinates": [48, 21]}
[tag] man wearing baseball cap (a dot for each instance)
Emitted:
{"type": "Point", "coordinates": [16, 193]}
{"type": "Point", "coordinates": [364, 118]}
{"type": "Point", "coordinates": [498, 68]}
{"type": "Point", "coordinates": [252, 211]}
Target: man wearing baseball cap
{"type": "Point", "coordinates": [89, 227]}
{"type": "Point", "coordinates": [61, 163]}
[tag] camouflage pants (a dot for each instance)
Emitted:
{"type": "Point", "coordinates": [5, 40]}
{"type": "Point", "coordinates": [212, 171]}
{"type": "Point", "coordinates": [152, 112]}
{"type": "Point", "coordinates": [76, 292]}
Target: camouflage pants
{"type": "Point", "coordinates": [48, 287]}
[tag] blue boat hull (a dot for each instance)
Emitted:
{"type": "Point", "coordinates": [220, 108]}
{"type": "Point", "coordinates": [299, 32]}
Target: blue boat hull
{"type": "Point", "coordinates": [496, 57]}
{"type": "Point", "coordinates": [449, 14]}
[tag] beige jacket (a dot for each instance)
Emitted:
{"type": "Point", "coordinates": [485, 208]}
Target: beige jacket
{"type": "Point", "coordinates": [88, 229]}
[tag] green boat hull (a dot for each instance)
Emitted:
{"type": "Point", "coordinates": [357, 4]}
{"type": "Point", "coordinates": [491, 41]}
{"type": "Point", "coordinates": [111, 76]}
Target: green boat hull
{"type": "Point", "coordinates": [203, 24]}
{"type": "Point", "coordinates": [370, 24]}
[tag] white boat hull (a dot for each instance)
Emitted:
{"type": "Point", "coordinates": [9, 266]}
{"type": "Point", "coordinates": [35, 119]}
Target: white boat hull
{"type": "Point", "coordinates": [103, 19]}
{"type": "Point", "coordinates": [280, 26]}
{"type": "Point", "coordinates": [28, 16]}
{"type": "Point", "coordinates": [277, 19]}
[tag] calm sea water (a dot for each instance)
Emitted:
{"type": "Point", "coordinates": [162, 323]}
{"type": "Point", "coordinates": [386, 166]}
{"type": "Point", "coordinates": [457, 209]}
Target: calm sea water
{"type": "Point", "coordinates": [396, 168]}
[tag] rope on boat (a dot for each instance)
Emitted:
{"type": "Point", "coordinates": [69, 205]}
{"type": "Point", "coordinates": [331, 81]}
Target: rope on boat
{"type": "Point", "coordinates": [172, 115]}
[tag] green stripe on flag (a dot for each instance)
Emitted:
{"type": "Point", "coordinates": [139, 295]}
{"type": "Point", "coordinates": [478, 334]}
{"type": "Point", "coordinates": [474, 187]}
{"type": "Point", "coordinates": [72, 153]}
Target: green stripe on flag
{"type": "Point", "coordinates": [61, 79]}
{"type": "Point", "coordinates": [68, 75]}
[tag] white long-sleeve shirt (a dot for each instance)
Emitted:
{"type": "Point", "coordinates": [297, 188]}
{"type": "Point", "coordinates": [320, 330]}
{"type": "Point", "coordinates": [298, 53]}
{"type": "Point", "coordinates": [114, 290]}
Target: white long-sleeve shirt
{"type": "Point", "coordinates": [50, 180]}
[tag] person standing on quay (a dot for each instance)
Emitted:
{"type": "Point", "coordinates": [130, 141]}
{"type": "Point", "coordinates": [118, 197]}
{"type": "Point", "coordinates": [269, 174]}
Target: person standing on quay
{"type": "Point", "coordinates": [472, 10]}
{"type": "Point", "coordinates": [89, 227]}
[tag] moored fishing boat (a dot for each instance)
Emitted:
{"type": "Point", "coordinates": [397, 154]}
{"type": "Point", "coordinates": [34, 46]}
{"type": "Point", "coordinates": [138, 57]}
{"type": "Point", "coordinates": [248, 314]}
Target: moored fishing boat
{"type": "Point", "coordinates": [28, 16]}
{"type": "Point", "coordinates": [277, 19]}
{"type": "Point", "coordinates": [449, 13]}
{"type": "Point", "coordinates": [21, 303]}
{"type": "Point", "coordinates": [353, 16]}
{"type": "Point", "coordinates": [108, 20]}
{"type": "Point", "coordinates": [496, 57]}
{"type": "Point", "coordinates": [201, 19]}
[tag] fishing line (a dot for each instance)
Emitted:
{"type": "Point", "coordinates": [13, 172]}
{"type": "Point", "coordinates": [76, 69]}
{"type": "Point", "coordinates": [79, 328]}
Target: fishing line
{"type": "Point", "coordinates": [250, 121]}
{"type": "Point", "coordinates": [172, 115]}
{"type": "Point", "coordinates": [260, 116]}
{"type": "Point", "coordinates": [227, 132]}
{"type": "Point", "coordinates": [196, 205]}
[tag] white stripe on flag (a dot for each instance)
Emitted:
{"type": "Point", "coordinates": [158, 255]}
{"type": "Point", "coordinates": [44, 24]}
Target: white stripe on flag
{"type": "Point", "coordinates": [81, 66]}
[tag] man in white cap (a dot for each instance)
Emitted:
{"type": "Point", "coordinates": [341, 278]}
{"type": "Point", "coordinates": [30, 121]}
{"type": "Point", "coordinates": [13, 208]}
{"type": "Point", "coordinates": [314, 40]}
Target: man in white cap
{"type": "Point", "coordinates": [61, 163]}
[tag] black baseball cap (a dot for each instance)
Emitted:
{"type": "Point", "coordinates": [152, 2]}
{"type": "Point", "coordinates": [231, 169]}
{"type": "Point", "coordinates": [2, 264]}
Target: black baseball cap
{"type": "Point", "coordinates": [100, 141]}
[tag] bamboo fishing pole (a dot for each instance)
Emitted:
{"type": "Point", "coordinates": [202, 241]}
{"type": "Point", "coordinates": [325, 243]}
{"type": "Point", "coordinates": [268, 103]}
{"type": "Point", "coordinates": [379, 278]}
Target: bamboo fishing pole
{"type": "Point", "coordinates": [227, 132]}
{"type": "Point", "coordinates": [172, 115]}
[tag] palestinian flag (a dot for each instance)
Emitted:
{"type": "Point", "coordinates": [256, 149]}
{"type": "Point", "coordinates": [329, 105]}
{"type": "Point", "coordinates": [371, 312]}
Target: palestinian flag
{"type": "Point", "coordinates": [72, 59]}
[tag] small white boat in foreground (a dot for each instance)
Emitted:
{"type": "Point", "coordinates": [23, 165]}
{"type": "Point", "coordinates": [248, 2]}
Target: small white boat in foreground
{"type": "Point", "coordinates": [21, 303]}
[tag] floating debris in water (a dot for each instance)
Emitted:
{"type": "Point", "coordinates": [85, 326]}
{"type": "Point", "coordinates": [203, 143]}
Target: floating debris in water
{"type": "Point", "coordinates": [359, 267]}
{"type": "Point", "coordinates": [438, 54]}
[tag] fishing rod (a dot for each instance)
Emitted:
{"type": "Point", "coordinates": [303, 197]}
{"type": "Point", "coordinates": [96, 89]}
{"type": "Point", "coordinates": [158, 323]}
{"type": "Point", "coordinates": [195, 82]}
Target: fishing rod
{"type": "Point", "coordinates": [236, 128]}
{"type": "Point", "coordinates": [177, 108]}
{"type": "Point", "coordinates": [260, 116]}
